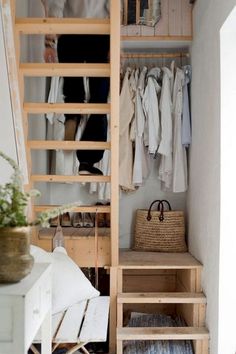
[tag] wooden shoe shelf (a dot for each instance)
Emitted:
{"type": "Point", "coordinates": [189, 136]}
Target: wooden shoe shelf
{"type": "Point", "coordinates": [167, 283]}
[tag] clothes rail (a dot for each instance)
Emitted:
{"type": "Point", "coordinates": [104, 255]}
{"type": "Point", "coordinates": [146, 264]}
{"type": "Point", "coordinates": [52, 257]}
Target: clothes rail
{"type": "Point", "coordinates": [125, 55]}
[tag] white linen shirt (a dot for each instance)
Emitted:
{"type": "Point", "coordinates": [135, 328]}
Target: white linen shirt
{"type": "Point", "coordinates": [75, 8]}
{"type": "Point", "coordinates": [151, 110]}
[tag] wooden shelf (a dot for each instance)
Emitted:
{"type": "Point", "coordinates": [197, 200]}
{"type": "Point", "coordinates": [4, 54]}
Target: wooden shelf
{"type": "Point", "coordinates": [74, 232]}
{"type": "Point", "coordinates": [164, 333]}
{"type": "Point", "coordinates": [161, 298]}
{"type": "Point", "coordinates": [69, 108]}
{"type": "Point", "coordinates": [62, 26]}
{"type": "Point", "coordinates": [157, 260]}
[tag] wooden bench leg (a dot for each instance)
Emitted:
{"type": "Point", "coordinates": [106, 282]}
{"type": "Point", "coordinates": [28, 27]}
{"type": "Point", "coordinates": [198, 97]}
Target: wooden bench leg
{"type": "Point", "coordinates": [78, 346]}
{"type": "Point", "coordinates": [119, 347]}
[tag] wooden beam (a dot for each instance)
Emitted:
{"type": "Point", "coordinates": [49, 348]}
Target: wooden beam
{"type": "Point", "coordinates": [61, 69]}
{"type": "Point", "coordinates": [68, 145]}
{"type": "Point", "coordinates": [62, 26]}
{"type": "Point", "coordinates": [69, 108]}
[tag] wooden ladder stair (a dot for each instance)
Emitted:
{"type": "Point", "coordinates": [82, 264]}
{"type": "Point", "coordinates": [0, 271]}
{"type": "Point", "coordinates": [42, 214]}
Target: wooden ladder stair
{"type": "Point", "coordinates": [18, 71]}
{"type": "Point", "coordinates": [188, 298]}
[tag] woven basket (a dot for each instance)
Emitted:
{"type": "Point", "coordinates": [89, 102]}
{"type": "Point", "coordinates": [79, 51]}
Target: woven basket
{"type": "Point", "coordinates": [160, 230]}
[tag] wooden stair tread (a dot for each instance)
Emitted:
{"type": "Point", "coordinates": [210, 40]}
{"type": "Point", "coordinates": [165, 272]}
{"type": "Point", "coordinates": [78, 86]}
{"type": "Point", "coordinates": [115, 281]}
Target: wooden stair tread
{"type": "Point", "coordinates": [74, 232]}
{"type": "Point", "coordinates": [82, 108]}
{"type": "Point", "coordinates": [63, 69]}
{"type": "Point", "coordinates": [62, 26]}
{"type": "Point", "coordinates": [130, 259]}
{"type": "Point", "coordinates": [68, 145]}
{"type": "Point", "coordinates": [82, 208]}
{"type": "Point", "coordinates": [70, 179]}
{"type": "Point", "coordinates": [162, 333]}
{"type": "Point", "coordinates": [164, 298]}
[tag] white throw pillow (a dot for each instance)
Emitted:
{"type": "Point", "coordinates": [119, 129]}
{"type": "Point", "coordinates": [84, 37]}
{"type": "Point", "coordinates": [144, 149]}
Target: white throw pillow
{"type": "Point", "coordinates": [69, 284]}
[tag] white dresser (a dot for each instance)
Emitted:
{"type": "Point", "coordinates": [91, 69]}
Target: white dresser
{"type": "Point", "coordinates": [24, 308]}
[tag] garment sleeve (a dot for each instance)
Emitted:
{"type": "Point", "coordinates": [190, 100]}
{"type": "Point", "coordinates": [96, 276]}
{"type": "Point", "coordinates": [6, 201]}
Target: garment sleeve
{"type": "Point", "coordinates": [55, 8]}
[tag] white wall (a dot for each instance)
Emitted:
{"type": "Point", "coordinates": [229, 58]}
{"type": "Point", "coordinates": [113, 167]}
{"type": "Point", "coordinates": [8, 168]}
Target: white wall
{"type": "Point", "coordinates": [7, 138]}
{"type": "Point", "coordinates": [227, 287]}
{"type": "Point", "coordinates": [204, 192]}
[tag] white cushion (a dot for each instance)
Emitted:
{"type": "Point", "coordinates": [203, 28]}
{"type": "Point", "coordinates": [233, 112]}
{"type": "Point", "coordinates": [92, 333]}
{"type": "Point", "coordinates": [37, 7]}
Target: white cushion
{"type": "Point", "coordinates": [69, 284]}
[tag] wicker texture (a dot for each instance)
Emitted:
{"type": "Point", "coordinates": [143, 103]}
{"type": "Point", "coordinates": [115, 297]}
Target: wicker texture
{"type": "Point", "coordinates": [160, 230]}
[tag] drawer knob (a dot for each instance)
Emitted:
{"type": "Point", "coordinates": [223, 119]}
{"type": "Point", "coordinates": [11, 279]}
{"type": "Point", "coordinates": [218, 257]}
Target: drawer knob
{"type": "Point", "coordinates": [36, 311]}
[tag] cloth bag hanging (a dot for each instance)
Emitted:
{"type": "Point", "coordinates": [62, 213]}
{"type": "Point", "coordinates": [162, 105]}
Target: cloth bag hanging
{"type": "Point", "coordinates": [159, 230]}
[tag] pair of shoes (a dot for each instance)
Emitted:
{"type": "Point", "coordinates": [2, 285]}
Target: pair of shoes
{"type": "Point", "coordinates": [103, 219]}
{"type": "Point", "coordinates": [87, 169]}
{"type": "Point", "coordinates": [54, 222]}
{"type": "Point", "coordinates": [65, 220]}
{"type": "Point", "coordinates": [70, 128]}
{"type": "Point", "coordinates": [83, 220]}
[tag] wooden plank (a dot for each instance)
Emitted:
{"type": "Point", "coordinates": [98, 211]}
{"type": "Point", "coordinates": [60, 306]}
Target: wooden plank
{"type": "Point", "coordinates": [168, 298]}
{"type": "Point", "coordinates": [186, 18]}
{"type": "Point", "coordinates": [82, 208]}
{"type": "Point", "coordinates": [69, 179]}
{"type": "Point", "coordinates": [113, 309]}
{"type": "Point", "coordinates": [114, 130]}
{"type": "Point", "coordinates": [82, 251]}
{"type": "Point", "coordinates": [133, 30]}
{"type": "Point", "coordinates": [68, 145]}
{"type": "Point", "coordinates": [150, 283]}
{"type": "Point", "coordinates": [62, 26]}
{"type": "Point", "coordinates": [69, 108]}
{"type": "Point", "coordinates": [70, 326]}
{"type": "Point", "coordinates": [62, 69]}
{"type": "Point", "coordinates": [162, 333]}
{"type": "Point", "coordinates": [74, 232]}
{"type": "Point", "coordinates": [175, 26]}
{"type": "Point", "coordinates": [169, 38]}
{"type": "Point", "coordinates": [95, 323]}
{"type": "Point", "coordinates": [156, 260]}
{"type": "Point", "coordinates": [162, 27]}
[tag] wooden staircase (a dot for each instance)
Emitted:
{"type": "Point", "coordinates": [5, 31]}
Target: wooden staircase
{"type": "Point", "coordinates": [14, 29]}
{"type": "Point", "coordinates": [186, 299]}
{"type": "Point", "coordinates": [179, 290]}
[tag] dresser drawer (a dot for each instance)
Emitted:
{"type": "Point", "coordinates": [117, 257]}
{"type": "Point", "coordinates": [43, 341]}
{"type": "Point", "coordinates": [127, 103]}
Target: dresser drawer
{"type": "Point", "coordinates": [37, 304]}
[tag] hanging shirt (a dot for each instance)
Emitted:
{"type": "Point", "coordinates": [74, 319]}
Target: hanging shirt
{"type": "Point", "coordinates": [151, 109]}
{"type": "Point", "coordinates": [141, 168]}
{"type": "Point", "coordinates": [126, 146]}
{"type": "Point", "coordinates": [78, 8]}
{"type": "Point", "coordinates": [179, 152]}
{"type": "Point", "coordinates": [165, 148]}
{"type": "Point", "coordinates": [186, 119]}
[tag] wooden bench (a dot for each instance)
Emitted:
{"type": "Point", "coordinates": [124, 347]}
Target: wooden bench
{"type": "Point", "coordinates": [81, 324]}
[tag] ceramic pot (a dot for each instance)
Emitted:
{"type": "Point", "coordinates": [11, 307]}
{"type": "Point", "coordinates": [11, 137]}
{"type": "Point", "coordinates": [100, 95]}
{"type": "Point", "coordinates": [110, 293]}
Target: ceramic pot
{"type": "Point", "coordinates": [15, 259]}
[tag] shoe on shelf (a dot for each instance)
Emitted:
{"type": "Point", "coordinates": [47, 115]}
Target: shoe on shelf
{"type": "Point", "coordinates": [88, 221]}
{"type": "Point", "coordinates": [70, 129]}
{"type": "Point", "coordinates": [77, 220]}
{"type": "Point", "coordinates": [88, 169]}
{"type": "Point", "coordinates": [54, 222]}
{"type": "Point", "coordinates": [108, 217]}
{"type": "Point", "coordinates": [65, 220]}
{"type": "Point", "coordinates": [101, 217]}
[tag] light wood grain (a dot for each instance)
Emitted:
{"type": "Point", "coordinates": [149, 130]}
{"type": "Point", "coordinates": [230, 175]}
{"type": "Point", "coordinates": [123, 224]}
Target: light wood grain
{"type": "Point", "coordinates": [62, 26]}
{"type": "Point", "coordinates": [171, 298]}
{"type": "Point", "coordinates": [69, 108]}
{"type": "Point", "coordinates": [68, 145]}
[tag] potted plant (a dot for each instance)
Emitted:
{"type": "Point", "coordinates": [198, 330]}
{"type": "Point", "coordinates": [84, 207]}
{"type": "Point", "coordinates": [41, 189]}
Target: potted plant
{"type": "Point", "coordinates": [15, 259]}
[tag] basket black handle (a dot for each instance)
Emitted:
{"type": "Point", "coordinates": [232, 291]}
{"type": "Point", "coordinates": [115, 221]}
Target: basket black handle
{"type": "Point", "coordinates": [161, 207]}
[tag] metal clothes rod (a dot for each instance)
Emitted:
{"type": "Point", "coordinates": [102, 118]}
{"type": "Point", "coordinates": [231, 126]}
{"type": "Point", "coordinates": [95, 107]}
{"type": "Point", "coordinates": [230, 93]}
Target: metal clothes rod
{"type": "Point", "coordinates": [154, 55]}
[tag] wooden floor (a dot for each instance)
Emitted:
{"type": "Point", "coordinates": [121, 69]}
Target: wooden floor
{"type": "Point", "coordinates": [130, 259]}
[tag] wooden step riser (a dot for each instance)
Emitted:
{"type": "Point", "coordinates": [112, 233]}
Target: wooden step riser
{"type": "Point", "coordinates": [67, 145]}
{"type": "Point", "coordinates": [66, 108]}
{"type": "Point", "coordinates": [70, 179]}
{"type": "Point", "coordinates": [61, 69]}
{"type": "Point", "coordinates": [163, 333]}
{"type": "Point", "coordinates": [62, 26]}
{"type": "Point", "coordinates": [161, 298]}
{"type": "Point", "coordinates": [82, 209]}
